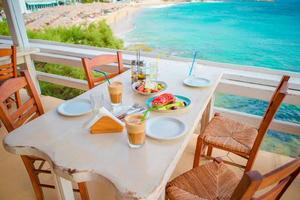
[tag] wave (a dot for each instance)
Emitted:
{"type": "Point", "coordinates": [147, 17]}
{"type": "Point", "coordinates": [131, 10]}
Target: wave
{"type": "Point", "coordinates": [163, 6]}
{"type": "Point", "coordinates": [212, 1]}
{"type": "Point", "coordinates": [192, 1]}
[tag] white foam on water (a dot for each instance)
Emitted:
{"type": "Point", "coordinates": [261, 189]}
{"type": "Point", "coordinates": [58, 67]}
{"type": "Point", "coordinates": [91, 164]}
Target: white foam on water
{"type": "Point", "coordinates": [162, 6]}
{"type": "Point", "coordinates": [212, 1]}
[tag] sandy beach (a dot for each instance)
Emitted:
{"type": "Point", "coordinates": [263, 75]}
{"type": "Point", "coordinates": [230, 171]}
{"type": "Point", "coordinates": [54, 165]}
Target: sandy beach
{"type": "Point", "coordinates": [119, 16]}
{"type": "Point", "coordinates": [70, 15]}
{"type": "Point", "coordinates": [122, 21]}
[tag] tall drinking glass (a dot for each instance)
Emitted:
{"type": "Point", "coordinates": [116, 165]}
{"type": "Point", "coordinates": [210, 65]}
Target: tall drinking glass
{"type": "Point", "coordinates": [135, 130]}
{"type": "Point", "coordinates": [153, 71]}
{"type": "Point", "coordinates": [115, 90]}
{"type": "Point", "coordinates": [97, 101]}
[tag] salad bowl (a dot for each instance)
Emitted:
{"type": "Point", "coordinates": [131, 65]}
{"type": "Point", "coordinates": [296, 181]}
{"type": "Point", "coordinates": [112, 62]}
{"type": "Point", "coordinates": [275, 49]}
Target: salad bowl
{"type": "Point", "coordinates": [139, 87]}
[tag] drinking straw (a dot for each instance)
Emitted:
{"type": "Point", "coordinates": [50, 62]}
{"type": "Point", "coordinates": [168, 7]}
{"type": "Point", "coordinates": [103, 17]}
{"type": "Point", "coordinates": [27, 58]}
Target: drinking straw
{"type": "Point", "coordinates": [146, 113]}
{"type": "Point", "coordinates": [194, 58]}
{"type": "Point", "coordinates": [105, 75]}
{"type": "Point", "coordinates": [158, 56]}
{"type": "Point", "coordinates": [139, 56]}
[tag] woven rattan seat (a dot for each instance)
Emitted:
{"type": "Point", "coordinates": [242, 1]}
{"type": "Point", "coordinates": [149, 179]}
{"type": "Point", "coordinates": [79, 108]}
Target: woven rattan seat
{"type": "Point", "coordinates": [228, 133]}
{"type": "Point", "coordinates": [237, 137]}
{"type": "Point", "coordinates": [215, 181]}
{"type": "Point", "coordinates": [211, 181]}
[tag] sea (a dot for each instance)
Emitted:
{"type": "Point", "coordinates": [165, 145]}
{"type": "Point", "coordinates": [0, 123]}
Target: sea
{"type": "Point", "coordinates": [253, 33]}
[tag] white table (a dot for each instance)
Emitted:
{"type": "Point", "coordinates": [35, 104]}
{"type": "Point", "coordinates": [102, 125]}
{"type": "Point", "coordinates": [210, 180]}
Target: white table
{"type": "Point", "coordinates": [77, 155]}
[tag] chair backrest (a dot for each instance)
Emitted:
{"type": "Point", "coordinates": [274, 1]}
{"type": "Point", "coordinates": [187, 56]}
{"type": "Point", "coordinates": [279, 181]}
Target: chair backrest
{"type": "Point", "coordinates": [276, 100]}
{"type": "Point", "coordinates": [8, 70]}
{"type": "Point", "coordinates": [32, 108]}
{"type": "Point", "coordinates": [90, 64]}
{"type": "Point", "coordinates": [269, 186]}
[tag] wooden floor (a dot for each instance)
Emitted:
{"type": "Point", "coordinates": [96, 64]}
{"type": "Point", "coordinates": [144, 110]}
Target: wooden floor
{"type": "Point", "coordinates": [15, 184]}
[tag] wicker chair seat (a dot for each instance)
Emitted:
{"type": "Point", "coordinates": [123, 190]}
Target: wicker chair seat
{"type": "Point", "coordinates": [211, 181]}
{"type": "Point", "coordinates": [227, 133]}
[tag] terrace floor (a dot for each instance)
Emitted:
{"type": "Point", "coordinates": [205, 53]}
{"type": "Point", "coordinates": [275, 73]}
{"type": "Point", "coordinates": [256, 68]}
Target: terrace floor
{"type": "Point", "coordinates": [15, 183]}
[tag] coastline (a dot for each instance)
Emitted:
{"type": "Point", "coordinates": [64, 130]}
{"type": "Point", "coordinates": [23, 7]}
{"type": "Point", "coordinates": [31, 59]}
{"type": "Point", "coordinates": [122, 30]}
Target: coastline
{"type": "Point", "coordinates": [122, 21]}
{"type": "Point", "coordinates": [114, 14]}
{"type": "Point", "coordinates": [69, 15]}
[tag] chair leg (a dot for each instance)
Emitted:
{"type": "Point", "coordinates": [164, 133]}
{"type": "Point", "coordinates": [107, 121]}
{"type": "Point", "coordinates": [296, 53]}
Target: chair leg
{"type": "Point", "coordinates": [18, 99]}
{"type": "Point", "coordinates": [83, 191]}
{"type": "Point", "coordinates": [209, 150]}
{"type": "Point", "coordinates": [198, 151]}
{"type": "Point", "coordinates": [33, 177]}
{"type": "Point", "coordinates": [250, 163]}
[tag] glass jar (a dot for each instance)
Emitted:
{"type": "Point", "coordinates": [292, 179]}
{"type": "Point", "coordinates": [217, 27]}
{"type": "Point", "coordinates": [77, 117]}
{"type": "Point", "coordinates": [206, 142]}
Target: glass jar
{"type": "Point", "coordinates": [134, 72]}
{"type": "Point", "coordinates": [141, 71]}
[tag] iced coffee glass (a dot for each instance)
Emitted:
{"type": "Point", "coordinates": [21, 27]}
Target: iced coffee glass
{"type": "Point", "coordinates": [115, 90]}
{"type": "Point", "coordinates": [135, 130]}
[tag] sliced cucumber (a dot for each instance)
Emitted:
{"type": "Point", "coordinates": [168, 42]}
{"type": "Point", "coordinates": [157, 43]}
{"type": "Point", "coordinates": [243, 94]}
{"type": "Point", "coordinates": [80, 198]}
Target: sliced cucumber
{"type": "Point", "coordinates": [178, 104]}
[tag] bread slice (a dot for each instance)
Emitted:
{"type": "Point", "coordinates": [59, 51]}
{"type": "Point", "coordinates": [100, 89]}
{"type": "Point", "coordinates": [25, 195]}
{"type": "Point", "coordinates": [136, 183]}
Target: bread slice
{"type": "Point", "coordinates": [106, 125]}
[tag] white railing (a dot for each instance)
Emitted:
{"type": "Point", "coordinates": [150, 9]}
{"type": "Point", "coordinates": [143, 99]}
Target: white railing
{"type": "Point", "coordinates": [247, 81]}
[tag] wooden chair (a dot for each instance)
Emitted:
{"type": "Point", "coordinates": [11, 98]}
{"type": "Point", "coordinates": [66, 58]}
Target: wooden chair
{"type": "Point", "coordinates": [27, 111]}
{"type": "Point", "coordinates": [236, 137]}
{"type": "Point", "coordinates": [215, 180]}
{"type": "Point", "coordinates": [90, 64]}
{"type": "Point", "coordinates": [9, 70]}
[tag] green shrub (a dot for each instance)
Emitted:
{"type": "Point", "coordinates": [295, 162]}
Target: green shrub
{"type": "Point", "coordinates": [67, 71]}
{"type": "Point", "coordinates": [91, 1]}
{"type": "Point", "coordinates": [59, 91]}
{"type": "Point", "coordinates": [4, 30]}
{"type": "Point", "coordinates": [96, 34]}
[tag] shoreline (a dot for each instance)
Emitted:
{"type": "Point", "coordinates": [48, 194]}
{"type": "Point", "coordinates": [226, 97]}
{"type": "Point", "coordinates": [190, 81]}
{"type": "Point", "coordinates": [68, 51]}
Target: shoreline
{"type": "Point", "coordinates": [119, 16]}
{"type": "Point", "coordinates": [77, 14]}
{"type": "Point", "coordinates": [122, 21]}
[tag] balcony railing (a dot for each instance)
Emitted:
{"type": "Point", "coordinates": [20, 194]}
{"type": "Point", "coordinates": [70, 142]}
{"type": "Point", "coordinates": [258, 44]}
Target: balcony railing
{"type": "Point", "coordinates": [246, 81]}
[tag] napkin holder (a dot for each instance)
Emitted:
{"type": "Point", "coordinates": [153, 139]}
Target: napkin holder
{"type": "Point", "coordinates": [105, 122]}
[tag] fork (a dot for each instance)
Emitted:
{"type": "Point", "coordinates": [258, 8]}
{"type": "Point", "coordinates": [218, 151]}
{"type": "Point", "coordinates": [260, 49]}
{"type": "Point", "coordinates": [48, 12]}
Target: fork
{"type": "Point", "coordinates": [132, 108]}
{"type": "Point", "coordinates": [137, 110]}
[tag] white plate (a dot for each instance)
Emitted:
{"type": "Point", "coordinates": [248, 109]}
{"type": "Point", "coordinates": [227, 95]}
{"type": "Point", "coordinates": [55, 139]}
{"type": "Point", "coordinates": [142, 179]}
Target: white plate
{"type": "Point", "coordinates": [195, 81]}
{"type": "Point", "coordinates": [165, 128]}
{"type": "Point", "coordinates": [75, 107]}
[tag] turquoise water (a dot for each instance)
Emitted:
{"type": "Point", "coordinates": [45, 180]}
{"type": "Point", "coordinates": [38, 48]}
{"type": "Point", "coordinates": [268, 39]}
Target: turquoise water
{"type": "Point", "coordinates": [265, 34]}
{"type": "Point", "coordinates": [250, 33]}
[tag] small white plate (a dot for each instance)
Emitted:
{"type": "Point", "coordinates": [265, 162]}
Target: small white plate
{"type": "Point", "coordinates": [165, 128]}
{"type": "Point", "coordinates": [195, 81]}
{"type": "Point", "coordinates": [75, 107]}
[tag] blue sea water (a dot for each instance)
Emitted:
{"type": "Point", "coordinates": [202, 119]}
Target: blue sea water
{"type": "Point", "coordinates": [264, 34]}
{"type": "Point", "coordinates": [249, 33]}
